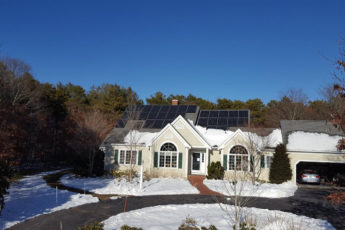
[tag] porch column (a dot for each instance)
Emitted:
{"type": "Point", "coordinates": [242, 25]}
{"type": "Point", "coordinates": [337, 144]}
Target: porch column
{"type": "Point", "coordinates": [186, 160]}
{"type": "Point", "coordinates": [206, 161]}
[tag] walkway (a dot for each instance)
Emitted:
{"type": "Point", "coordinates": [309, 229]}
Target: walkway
{"type": "Point", "coordinates": [197, 181]}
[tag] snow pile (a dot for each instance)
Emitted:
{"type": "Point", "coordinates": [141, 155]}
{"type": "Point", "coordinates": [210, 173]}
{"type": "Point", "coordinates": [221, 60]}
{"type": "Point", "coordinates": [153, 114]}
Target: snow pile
{"type": "Point", "coordinates": [155, 186]}
{"type": "Point", "coordinates": [171, 216]}
{"type": "Point", "coordinates": [318, 142]}
{"type": "Point", "coordinates": [31, 196]}
{"type": "Point", "coordinates": [135, 136]}
{"type": "Point", "coordinates": [246, 188]}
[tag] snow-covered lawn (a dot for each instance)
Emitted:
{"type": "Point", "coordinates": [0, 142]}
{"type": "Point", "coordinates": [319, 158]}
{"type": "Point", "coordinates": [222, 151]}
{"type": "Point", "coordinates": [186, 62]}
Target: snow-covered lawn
{"type": "Point", "coordinates": [247, 189]}
{"type": "Point", "coordinates": [171, 216]}
{"type": "Point", "coordinates": [31, 196]}
{"type": "Point", "coordinates": [107, 185]}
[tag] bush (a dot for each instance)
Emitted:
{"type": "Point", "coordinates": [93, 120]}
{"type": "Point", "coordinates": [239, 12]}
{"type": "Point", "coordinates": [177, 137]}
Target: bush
{"type": "Point", "coordinates": [190, 224]}
{"type": "Point", "coordinates": [245, 226]}
{"type": "Point", "coordinates": [124, 174]}
{"type": "Point", "coordinates": [92, 226]}
{"type": "Point", "coordinates": [280, 170]}
{"type": "Point", "coordinates": [215, 171]}
{"type": "Point", "coordinates": [126, 227]}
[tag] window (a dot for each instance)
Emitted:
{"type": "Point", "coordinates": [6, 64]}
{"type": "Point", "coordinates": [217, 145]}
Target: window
{"type": "Point", "coordinates": [168, 156]}
{"type": "Point", "coordinates": [266, 161]}
{"type": "Point", "coordinates": [238, 159]}
{"type": "Point", "coordinates": [122, 157]}
{"type": "Point", "coordinates": [126, 156]}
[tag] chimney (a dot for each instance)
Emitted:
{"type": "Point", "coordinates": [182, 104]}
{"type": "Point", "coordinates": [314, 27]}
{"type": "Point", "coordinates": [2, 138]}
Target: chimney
{"type": "Point", "coordinates": [174, 102]}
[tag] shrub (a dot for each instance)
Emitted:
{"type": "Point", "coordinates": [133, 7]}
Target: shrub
{"type": "Point", "coordinates": [245, 226]}
{"type": "Point", "coordinates": [190, 224]}
{"type": "Point", "coordinates": [6, 171]}
{"type": "Point", "coordinates": [215, 171]}
{"type": "Point", "coordinates": [126, 227]}
{"type": "Point", "coordinates": [92, 226]}
{"type": "Point", "coordinates": [123, 173]}
{"type": "Point", "coordinates": [280, 170]}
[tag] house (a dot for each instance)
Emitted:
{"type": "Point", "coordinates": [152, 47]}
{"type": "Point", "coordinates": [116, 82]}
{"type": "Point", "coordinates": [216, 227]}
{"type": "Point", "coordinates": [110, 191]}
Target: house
{"type": "Point", "coordinates": [180, 140]}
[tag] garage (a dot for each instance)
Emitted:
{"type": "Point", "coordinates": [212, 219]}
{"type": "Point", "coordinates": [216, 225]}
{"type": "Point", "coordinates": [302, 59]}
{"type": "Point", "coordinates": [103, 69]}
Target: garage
{"type": "Point", "coordinates": [328, 171]}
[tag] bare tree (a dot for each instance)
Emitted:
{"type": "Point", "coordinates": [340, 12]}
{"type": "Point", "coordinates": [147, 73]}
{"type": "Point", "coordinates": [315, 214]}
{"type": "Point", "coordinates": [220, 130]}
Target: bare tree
{"type": "Point", "coordinates": [91, 128]}
{"type": "Point", "coordinates": [257, 141]}
{"type": "Point", "coordinates": [133, 137]}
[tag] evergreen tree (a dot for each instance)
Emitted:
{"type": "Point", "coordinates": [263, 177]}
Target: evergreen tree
{"type": "Point", "coordinates": [280, 170]}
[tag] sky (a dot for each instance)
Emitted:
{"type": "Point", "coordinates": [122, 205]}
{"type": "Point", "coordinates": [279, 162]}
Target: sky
{"type": "Point", "coordinates": [235, 49]}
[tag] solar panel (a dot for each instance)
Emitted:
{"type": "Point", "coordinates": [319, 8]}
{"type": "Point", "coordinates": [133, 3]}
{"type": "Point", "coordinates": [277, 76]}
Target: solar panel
{"type": "Point", "coordinates": [155, 116]}
{"type": "Point", "coordinates": [223, 119]}
{"type": "Point", "coordinates": [191, 109]}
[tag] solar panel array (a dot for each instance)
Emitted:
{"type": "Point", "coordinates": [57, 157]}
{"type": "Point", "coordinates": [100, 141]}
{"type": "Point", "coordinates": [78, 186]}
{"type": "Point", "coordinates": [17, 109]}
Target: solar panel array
{"type": "Point", "coordinates": [155, 116]}
{"type": "Point", "coordinates": [223, 119]}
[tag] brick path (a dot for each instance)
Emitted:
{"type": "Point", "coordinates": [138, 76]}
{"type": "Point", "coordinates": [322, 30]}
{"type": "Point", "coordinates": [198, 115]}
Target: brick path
{"type": "Point", "coordinates": [197, 181]}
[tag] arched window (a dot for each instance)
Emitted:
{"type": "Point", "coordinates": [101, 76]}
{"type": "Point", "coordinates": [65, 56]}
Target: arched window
{"type": "Point", "coordinates": [168, 156]}
{"type": "Point", "coordinates": [238, 158]}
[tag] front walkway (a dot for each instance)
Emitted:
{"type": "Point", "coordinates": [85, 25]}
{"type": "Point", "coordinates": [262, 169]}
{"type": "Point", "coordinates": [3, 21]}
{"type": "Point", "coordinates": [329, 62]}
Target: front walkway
{"type": "Point", "coordinates": [197, 181]}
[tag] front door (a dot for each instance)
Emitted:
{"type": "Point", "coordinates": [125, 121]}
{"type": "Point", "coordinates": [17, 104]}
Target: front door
{"type": "Point", "coordinates": [198, 163]}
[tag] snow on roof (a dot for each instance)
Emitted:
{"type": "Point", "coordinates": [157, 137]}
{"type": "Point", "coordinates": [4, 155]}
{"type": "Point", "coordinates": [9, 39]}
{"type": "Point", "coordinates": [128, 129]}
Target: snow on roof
{"type": "Point", "coordinates": [214, 136]}
{"type": "Point", "coordinates": [138, 137]}
{"type": "Point", "coordinates": [314, 142]}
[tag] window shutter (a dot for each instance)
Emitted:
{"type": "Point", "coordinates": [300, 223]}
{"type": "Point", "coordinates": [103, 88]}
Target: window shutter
{"type": "Point", "coordinates": [116, 156]}
{"type": "Point", "coordinates": [155, 160]}
{"type": "Point", "coordinates": [251, 163]}
{"type": "Point", "coordinates": [225, 161]}
{"type": "Point", "coordinates": [139, 157]}
{"type": "Point", "coordinates": [180, 160]}
{"type": "Point", "coordinates": [262, 161]}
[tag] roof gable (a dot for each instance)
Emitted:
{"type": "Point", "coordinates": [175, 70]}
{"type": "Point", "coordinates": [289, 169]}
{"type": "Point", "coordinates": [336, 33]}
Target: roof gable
{"type": "Point", "coordinates": [181, 120]}
{"type": "Point", "coordinates": [169, 127]}
{"type": "Point", "coordinates": [238, 132]}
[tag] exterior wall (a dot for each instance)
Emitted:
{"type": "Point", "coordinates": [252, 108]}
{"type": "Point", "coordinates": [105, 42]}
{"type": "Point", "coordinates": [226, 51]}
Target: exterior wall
{"type": "Point", "coordinates": [296, 157]}
{"type": "Point", "coordinates": [215, 156]}
{"type": "Point", "coordinates": [187, 134]}
{"type": "Point", "coordinates": [169, 136]}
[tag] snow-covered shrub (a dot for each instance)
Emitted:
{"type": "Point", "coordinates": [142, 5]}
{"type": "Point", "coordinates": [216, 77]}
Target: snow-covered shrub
{"type": "Point", "coordinates": [215, 171]}
{"type": "Point", "coordinates": [190, 224]}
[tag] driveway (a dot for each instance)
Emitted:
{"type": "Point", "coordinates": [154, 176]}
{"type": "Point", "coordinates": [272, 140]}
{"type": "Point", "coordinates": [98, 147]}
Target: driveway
{"type": "Point", "coordinates": [306, 201]}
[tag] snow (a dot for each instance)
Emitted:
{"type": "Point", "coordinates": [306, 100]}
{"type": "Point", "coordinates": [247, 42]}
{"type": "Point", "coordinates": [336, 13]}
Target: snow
{"type": "Point", "coordinates": [245, 188]}
{"type": "Point", "coordinates": [155, 186]}
{"type": "Point", "coordinates": [171, 216]}
{"type": "Point", "coordinates": [139, 137]}
{"type": "Point", "coordinates": [316, 142]}
{"type": "Point", "coordinates": [31, 196]}
{"type": "Point", "coordinates": [214, 136]}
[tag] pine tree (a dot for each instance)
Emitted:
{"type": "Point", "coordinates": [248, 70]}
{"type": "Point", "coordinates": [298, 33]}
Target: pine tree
{"type": "Point", "coordinates": [280, 170]}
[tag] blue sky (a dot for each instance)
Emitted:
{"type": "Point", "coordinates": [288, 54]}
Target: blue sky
{"type": "Point", "coordinates": [236, 49]}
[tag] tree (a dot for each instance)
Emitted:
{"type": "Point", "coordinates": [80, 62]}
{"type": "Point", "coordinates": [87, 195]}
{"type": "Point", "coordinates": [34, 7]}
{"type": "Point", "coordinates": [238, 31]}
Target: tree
{"type": "Point", "coordinates": [5, 173]}
{"type": "Point", "coordinates": [292, 106]}
{"type": "Point", "coordinates": [89, 131]}
{"type": "Point", "coordinates": [257, 142]}
{"type": "Point", "coordinates": [280, 170]}
{"type": "Point", "coordinates": [157, 99]}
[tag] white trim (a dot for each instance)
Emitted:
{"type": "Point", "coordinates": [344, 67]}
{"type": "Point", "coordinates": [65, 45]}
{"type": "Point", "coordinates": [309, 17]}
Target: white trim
{"type": "Point", "coordinates": [193, 130]}
{"type": "Point", "coordinates": [178, 135]}
{"type": "Point", "coordinates": [186, 161]}
{"type": "Point", "coordinates": [234, 154]}
{"type": "Point", "coordinates": [237, 132]}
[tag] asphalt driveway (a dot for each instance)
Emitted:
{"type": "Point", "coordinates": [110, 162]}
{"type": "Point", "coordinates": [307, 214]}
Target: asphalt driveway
{"type": "Point", "coordinates": [306, 201]}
